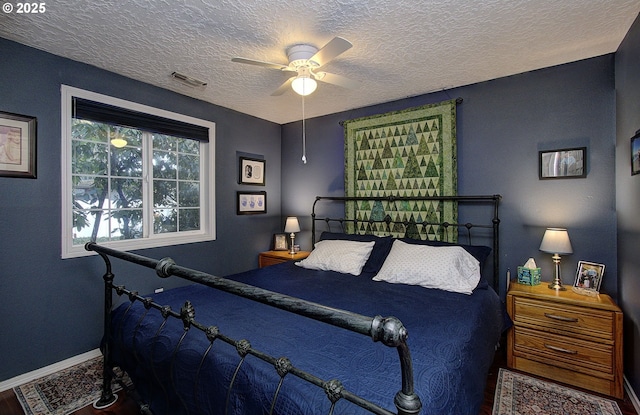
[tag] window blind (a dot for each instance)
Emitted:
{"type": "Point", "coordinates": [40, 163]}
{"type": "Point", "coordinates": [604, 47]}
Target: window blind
{"type": "Point", "coordinates": [109, 114]}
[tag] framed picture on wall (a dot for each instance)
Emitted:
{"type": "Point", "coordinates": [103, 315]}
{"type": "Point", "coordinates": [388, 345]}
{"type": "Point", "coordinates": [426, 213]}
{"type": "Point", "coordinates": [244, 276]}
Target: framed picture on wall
{"type": "Point", "coordinates": [17, 145]}
{"type": "Point", "coordinates": [251, 202]}
{"type": "Point", "coordinates": [635, 153]}
{"type": "Point", "coordinates": [252, 171]}
{"type": "Point", "coordinates": [589, 275]}
{"type": "Point", "coordinates": [565, 163]}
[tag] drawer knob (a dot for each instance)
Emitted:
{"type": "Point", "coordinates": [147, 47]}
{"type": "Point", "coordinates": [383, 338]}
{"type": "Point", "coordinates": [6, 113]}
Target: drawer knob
{"type": "Point", "coordinates": [560, 349]}
{"type": "Point", "coordinates": [561, 318]}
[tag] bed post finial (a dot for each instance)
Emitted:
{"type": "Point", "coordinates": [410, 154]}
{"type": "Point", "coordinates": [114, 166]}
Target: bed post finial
{"type": "Point", "coordinates": [391, 332]}
{"type": "Point", "coordinates": [388, 330]}
{"type": "Point", "coordinates": [163, 268]}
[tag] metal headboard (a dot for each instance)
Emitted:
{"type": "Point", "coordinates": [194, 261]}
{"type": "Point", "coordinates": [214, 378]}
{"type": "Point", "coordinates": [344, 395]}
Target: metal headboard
{"type": "Point", "coordinates": [492, 201]}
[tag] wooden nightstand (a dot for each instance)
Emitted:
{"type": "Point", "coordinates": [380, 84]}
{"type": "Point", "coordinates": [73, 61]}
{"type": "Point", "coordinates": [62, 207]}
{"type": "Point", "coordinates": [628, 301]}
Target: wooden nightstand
{"type": "Point", "coordinates": [276, 257]}
{"type": "Point", "coordinates": [566, 337]}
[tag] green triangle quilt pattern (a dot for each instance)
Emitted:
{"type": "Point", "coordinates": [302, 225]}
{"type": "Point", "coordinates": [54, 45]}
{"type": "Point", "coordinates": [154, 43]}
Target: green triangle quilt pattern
{"type": "Point", "coordinates": [403, 153]}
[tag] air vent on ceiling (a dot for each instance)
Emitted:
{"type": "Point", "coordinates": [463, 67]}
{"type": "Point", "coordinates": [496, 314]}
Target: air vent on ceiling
{"type": "Point", "coordinates": [188, 80]}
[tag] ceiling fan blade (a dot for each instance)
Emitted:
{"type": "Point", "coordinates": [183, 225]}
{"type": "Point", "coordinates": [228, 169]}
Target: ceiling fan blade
{"type": "Point", "coordinates": [334, 79]}
{"type": "Point", "coordinates": [261, 63]}
{"type": "Point", "coordinates": [284, 87]}
{"type": "Point", "coordinates": [335, 47]}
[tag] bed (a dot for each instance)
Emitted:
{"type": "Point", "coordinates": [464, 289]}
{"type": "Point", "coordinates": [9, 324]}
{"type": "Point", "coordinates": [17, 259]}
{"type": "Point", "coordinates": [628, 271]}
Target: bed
{"type": "Point", "coordinates": [341, 332]}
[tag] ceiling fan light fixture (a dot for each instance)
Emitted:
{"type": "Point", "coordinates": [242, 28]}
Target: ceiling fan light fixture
{"type": "Point", "coordinates": [304, 85]}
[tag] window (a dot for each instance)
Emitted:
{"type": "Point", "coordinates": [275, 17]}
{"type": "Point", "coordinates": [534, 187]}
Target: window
{"type": "Point", "coordinates": [133, 176]}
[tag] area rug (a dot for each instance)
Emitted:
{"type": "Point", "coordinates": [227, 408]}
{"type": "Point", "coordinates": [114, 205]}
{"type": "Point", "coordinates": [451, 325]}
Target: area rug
{"type": "Point", "coordinates": [65, 391]}
{"type": "Point", "coordinates": [518, 394]}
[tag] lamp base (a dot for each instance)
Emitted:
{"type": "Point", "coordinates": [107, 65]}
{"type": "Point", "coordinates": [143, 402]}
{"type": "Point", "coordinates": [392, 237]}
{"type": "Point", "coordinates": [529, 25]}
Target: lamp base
{"type": "Point", "coordinates": [293, 237]}
{"type": "Point", "coordinates": [557, 285]}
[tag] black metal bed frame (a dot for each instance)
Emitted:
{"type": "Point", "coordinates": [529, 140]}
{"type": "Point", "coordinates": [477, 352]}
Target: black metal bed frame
{"type": "Point", "coordinates": [387, 330]}
{"type": "Point", "coordinates": [492, 201]}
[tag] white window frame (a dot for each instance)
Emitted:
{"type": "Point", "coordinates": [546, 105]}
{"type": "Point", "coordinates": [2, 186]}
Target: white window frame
{"type": "Point", "coordinates": [207, 231]}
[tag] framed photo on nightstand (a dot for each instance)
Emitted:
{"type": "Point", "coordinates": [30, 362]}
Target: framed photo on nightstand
{"type": "Point", "coordinates": [280, 242]}
{"type": "Point", "coordinates": [589, 276]}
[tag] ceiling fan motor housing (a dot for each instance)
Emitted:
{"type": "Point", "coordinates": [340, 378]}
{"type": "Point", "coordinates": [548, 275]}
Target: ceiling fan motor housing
{"type": "Point", "coordinates": [299, 55]}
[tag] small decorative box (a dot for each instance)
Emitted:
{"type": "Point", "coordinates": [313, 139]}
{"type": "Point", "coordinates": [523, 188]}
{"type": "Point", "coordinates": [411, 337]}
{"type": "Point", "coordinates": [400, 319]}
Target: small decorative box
{"type": "Point", "coordinates": [529, 276]}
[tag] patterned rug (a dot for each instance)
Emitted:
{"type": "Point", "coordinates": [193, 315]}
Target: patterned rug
{"type": "Point", "coordinates": [518, 394]}
{"type": "Point", "coordinates": [65, 391]}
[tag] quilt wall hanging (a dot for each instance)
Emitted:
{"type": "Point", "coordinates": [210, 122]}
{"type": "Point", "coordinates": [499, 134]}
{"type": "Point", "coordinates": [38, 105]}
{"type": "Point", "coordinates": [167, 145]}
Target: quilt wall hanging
{"type": "Point", "coordinates": [403, 153]}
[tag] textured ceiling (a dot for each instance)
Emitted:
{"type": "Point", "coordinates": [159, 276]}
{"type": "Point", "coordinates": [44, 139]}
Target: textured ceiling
{"type": "Point", "coordinates": [400, 48]}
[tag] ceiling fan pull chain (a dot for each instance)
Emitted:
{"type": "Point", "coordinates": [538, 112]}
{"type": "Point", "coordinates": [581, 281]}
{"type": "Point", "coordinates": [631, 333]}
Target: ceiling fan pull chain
{"type": "Point", "coordinates": [304, 138]}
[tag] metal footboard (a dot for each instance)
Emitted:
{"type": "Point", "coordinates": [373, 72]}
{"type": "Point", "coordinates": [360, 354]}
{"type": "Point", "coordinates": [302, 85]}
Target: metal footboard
{"type": "Point", "coordinates": [387, 330]}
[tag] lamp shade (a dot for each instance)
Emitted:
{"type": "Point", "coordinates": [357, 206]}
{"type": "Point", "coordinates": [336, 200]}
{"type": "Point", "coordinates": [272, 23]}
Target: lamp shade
{"type": "Point", "coordinates": [304, 85]}
{"type": "Point", "coordinates": [292, 225]}
{"type": "Point", "coordinates": [556, 241]}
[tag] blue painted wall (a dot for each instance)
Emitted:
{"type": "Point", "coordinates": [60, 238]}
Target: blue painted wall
{"type": "Point", "coordinates": [628, 198]}
{"type": "Point", "coordinates": [502, 124]}
{"type": "Point", "coordinates": [50, 309]}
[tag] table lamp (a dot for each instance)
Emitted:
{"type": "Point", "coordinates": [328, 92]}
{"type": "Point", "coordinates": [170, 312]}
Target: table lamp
{"type": "Point", "coordinates": [292, 226]}
{"type": "Point", "coordinates": [556, 241]}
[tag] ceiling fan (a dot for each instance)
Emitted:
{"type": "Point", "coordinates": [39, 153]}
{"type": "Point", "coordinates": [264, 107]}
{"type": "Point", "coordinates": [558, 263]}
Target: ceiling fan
{"type": "Point", "coordinates": [305, 60]}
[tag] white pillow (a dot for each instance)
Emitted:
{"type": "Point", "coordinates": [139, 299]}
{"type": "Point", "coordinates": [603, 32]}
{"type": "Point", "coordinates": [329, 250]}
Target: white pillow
{"type": "Point", "coordinates": [448, 268]}
{"type": "Point", "coordinates": [347, 257]}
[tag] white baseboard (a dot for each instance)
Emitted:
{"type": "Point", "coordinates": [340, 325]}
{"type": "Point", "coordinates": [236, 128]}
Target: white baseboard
{"type": "Point", "coordinates": [632, 395]}
{"type": "Point", "coordinates": [47, 370]}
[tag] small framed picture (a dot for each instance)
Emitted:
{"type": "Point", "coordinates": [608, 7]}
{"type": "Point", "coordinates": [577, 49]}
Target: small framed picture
{"type": "Point", "coordinates": [251, 202]}
{"type": "Point", "coordinates": [252, 171]}
{"type": "Point", "coordinates": [635, 153]}
{"type": "Point", "coordinates": [17, 145]}
{"type": "Point", "coordinates": [280, 242]}
{"type": "Point", "coordinates": [589, 275]}
{"type": "Point", "coordinates": [566, 163]}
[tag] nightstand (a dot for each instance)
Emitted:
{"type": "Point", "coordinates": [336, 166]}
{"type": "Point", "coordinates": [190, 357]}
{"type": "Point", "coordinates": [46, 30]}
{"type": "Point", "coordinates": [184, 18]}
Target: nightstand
{"type": "Point", "coordinates": [276, 257]}
{"type": "Point", "coordinates": [567, 337]}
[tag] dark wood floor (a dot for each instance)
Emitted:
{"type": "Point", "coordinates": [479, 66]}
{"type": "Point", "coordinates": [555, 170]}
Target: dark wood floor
{"type": "Point", "coordinates": [126, 406]}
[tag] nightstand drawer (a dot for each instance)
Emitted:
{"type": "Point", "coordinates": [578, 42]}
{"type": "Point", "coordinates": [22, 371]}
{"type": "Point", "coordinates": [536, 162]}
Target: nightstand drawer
{"type": "Point", "coordinates": [592, 358]}
{"type": "Point", "coordinates": [268, 258]}
{"type": "Point", "coordinates": [563, 319]}
{"type": "Point", "coordinates": [265, 261]}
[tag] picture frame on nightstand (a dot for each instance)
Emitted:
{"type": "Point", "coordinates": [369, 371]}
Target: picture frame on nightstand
{"type": "Point", "coordinates": [280, 242]}
{"type": "Point", "coordinates": [589, 276]}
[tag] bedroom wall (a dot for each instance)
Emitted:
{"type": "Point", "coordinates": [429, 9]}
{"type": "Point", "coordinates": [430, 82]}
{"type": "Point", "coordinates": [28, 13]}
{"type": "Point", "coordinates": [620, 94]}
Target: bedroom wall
{"type": "Point", "coordinates": [502, 124]}
{"type": "Point", "coordinates": [50, 309]}
{"type": "Point", "coordinates": [628, 198]}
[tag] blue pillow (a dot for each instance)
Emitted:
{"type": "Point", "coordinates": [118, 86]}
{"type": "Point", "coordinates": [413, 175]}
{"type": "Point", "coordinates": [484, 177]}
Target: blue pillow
{"type": "Point", "coordinates": [378, 254]}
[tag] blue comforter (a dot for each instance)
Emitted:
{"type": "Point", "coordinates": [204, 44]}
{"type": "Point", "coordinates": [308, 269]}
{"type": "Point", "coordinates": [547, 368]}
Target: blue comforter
{"type": "Point", "coordinates": [451, 338]}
